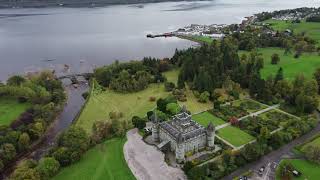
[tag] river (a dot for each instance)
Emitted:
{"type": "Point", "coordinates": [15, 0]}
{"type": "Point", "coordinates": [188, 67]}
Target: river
{"type": "Point", "coordinates": [84, 38]}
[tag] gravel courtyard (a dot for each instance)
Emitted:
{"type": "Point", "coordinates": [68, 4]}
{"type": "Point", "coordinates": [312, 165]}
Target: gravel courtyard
{"type": "Point", "coordinates": [147, 162]}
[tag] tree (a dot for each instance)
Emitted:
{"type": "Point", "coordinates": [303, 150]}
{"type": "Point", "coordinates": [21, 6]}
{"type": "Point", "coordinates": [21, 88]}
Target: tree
{"type": "Point", "coordinates": [234, 121]}
{"type": "Point", "coordinates": [138, 122]}
{"type": "Point", "coordinates": [47, 167]}
{"type": "Point", "coordinates": [173, 108]}
{"type": "Point", "coordinates": [24, 141]}
{"type": "Point", "coordinates": [180, 82]}
{"type": "Point", "coordinates": [316, 76]}
{"type": "Point", "coordinates": [312, 153]}
{"type": "Point", "coordinates": [16, 80]}
{"type": "Point", "coordinates": [7, 152]}
{"type": "Point", "coordinates": [75, 138]}
{"type": "Point", "coordinates": [279, 75]}
{"type": "Point", "coordinates": [275, 59]}
{"type": "Point", "coordinates": [25, 170]}
{"type": "Point", "coordinates": [169, 86]}
{"type": "Point", "coordinates": [204, 97]}
{"type": "Point", "coordinates": [285, 169]}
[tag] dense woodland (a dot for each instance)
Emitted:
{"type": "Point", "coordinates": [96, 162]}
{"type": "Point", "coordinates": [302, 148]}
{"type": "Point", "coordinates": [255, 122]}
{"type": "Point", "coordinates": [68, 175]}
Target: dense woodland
{"type": "Point", "coordinates": [47, 97]}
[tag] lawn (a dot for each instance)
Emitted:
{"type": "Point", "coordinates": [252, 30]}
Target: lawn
{"type": "Point", "coordinates": [103, 162]}
{"type": "Point", "coordinates": [312, 29]}
{"type": "Point", "coordinates": [308, 169]}
{"type": "Point", "coordinates": [130, 104]}
{"type": "Point", "coordinates": [172, 76]}
{"type": "Point", "coordinates": [306, 64]}
{"type": "Point", "coordinates": [235, 136]}
{"type": "Point", "coordinates": [10, 110]}
{"type": "Point", "coordinates": [205, 118]}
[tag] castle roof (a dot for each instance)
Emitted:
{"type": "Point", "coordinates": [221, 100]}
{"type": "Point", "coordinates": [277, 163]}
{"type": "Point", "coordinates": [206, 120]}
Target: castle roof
{"type": "Point", "coordinates": [181, 127]}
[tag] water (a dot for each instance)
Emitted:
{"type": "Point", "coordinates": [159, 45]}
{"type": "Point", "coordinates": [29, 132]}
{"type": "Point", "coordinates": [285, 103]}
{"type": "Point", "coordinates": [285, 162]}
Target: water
{"type": "Point", "coordinates": [84, 38]}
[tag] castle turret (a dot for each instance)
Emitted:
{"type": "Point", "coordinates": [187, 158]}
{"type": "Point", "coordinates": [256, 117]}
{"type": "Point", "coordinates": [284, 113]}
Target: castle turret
{"type": "Point", "coordinates": [180, 151]}
{"type": "Point", "coordinates": [211, 132]}
{"type": "Point", "coordinates": [155, 127]}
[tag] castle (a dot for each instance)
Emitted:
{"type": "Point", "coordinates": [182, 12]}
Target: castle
{"type": "Point", "coordinates": [183, 135]}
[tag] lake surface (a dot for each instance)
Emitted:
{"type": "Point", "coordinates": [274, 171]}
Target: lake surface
{"type": "Point", "coordinates": [84, 38]}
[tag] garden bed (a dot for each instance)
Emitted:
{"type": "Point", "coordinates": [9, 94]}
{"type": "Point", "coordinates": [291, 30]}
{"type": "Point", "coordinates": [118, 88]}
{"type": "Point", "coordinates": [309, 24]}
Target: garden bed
{"type": "Point", "coordinates": [228, 111]}
{"type": "Point", "coordinates": [249, 105]}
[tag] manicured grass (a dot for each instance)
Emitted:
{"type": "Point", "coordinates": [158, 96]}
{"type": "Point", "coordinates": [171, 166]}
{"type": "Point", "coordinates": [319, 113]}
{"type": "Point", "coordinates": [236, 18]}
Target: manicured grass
{"type": "Point", "coordinates": [309, 170]}
{"type": "Point", "coordinates": [235, 136]}
{"type": "Point", "coordinates": [10, 110]}
{"type": "Point", "coordinates": [306, 64]}
{"type": "Point", "coordinates": [205, 118]}
{"type": "Point", "coordinates": [103, 162]}
{"type": "Point", "coordinates": [311, 29]}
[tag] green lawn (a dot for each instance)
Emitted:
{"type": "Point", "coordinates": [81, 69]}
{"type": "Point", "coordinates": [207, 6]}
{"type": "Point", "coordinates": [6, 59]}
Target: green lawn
{"type": "Point", "coordinates": [205, 118]}
{"type": "Point", "coordinates": [312, 29]}
{"type": "Point", "coordinates": [172, 76]}
{"type": "Point", "coordinates": [10, 110]}
{"type": "Point", "coordinates": [306, 64]}
{"type": "Point", "coordinates": [310, 171]}
{"type": "Point", "coordinates": [235, 136]}
{"type": "Point", "coordinates": [103, 162]}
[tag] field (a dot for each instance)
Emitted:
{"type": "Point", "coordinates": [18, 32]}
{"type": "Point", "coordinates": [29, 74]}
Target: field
{"type": "Point", "coordinates": [205, 118]}
{"type": "Point", "coordinates": [131, 104]}
{"type": "Point", "coordinates": [291, 66]}
{"type": "Point", "coordinates": [10, 110]}
{"type": "Point", "coordinates": [309, 170]}
{"type": "Point", "coordinates": [199, 39]}
{"type": "Point", "coordinates": [235, 136]}
{"type": "Point", "coordinates": [310, 28]}
{"type": "Point", "coordinates": [105, 161]}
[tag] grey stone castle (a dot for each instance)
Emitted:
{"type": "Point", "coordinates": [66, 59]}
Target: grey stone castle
{"type": "Point", "coordinates": [183, 135]}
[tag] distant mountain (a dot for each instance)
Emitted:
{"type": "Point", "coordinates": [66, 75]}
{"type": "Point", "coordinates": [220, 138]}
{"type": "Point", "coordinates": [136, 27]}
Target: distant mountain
{"type": "Point", "coordinates": [72, 3]}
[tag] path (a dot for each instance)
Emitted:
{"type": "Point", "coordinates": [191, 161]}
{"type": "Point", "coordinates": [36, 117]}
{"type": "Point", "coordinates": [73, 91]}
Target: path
{"type": "Point", "coordinates": [147, 162]}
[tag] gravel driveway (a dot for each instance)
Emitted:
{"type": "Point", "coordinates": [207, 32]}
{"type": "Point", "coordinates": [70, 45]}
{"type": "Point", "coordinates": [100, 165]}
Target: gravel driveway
{"type": "Point", "coordinates": [147, 162]}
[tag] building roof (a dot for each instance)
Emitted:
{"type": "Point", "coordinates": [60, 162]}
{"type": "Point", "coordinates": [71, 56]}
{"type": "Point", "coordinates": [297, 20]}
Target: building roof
{"type": "Point", "coordinates": [181, 127]}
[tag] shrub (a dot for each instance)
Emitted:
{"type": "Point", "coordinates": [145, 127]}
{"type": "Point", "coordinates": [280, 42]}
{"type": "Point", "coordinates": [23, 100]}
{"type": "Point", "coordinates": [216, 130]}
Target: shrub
{"type": "Point", "coordinates": [275, 58]}
{"type": "Point", "coordinates": [47, 167]}
{"type": "Point", "coordinates": [204, 97]}
{"type": "Point", "coordinates": [152, 99]}
{"type": "Point", "coordinates": [169, 86]}
{"type": "Point", "coordinates": [85, 95]}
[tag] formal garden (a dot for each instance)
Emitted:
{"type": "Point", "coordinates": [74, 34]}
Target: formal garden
{"type": "Point", "coordinates": [235, 136]}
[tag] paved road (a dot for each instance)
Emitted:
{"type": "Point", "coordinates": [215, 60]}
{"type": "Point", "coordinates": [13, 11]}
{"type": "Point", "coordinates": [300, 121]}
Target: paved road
{"type": "Point", "coordinates": [274, 156]}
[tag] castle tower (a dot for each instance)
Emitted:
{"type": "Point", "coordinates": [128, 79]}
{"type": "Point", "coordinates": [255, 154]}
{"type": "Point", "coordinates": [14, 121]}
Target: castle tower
{"type": "Point", "coordinates": [211, 132]}
{"type": "Point", "coordinates": [180, 152]}
{"type": "Point", "coordinates": [155, 127]}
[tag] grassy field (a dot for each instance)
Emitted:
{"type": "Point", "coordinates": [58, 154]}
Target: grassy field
{"type": "Point", "coordinates": [310, 28]}
{"type": "Point", "coordinates": [103, 162]}
{"type": "Point", "coordinates": [310, 171]}
{"type": "Point", "coordinates": [235, 136]}
{"type": "Point", "coordinates": [205, 118]}
{"type": "Point", "coordinates": [10, 110]}
{"type": "Point", "coordinates": [199, 39]}
{"type": "Point", "coordinates": [172, 76]}
{"type": "Point", "coordinates": [306, 64]}
{"type": "Point", "coordinates": [131, 104]}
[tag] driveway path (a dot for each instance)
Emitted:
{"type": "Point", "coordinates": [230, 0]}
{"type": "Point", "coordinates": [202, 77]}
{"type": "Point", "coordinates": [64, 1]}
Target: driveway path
{"type": "Point", "coordinates": [147, 162]}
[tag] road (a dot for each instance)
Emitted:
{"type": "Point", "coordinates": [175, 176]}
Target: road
{"type": "Point", "coordinates": [274, 156]}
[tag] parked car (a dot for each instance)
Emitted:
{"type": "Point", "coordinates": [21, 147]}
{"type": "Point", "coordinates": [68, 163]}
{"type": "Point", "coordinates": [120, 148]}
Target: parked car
{"type": "Point", "coordinates": [296, 173]}
{"type": "Point", "coordinates": [262, 168]}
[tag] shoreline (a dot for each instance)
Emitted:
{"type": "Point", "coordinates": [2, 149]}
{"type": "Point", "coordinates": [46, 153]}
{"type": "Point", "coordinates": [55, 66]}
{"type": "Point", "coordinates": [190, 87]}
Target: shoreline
{"type": "Point", "coordinates": [81, 4]}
